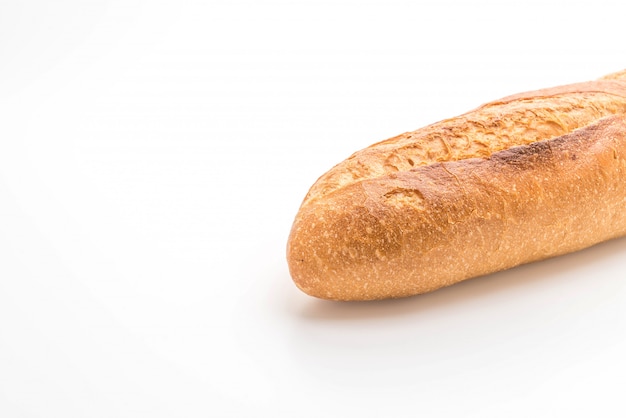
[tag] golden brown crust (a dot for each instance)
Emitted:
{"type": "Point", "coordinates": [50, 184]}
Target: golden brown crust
{"type": "Point", "coordinates": [414, 230]}
{"type": "Point", "coordinates": [515, 120]}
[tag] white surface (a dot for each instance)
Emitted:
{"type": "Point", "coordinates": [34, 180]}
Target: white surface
{"type": "Point", "coordinates": [153, 155]}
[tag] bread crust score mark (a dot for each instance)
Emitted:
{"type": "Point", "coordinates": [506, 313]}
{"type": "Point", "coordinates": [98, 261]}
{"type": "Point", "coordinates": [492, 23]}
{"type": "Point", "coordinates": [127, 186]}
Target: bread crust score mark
{"type": "Point", "coordinates": [524, 178]}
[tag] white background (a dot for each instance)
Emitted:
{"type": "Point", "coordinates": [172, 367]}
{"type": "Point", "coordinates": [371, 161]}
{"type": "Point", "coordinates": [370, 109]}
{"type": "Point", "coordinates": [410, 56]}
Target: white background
{"type": "Point", "coordinates": [153, 155]}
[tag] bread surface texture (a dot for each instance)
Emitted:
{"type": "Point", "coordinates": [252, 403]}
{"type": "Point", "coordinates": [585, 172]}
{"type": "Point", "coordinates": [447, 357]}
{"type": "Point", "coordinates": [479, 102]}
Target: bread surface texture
{"type": "Point", "coordinates": [523, 178]}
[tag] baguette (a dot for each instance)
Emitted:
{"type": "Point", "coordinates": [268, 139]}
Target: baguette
{"type": "Point", "coordinates": [524, 178]}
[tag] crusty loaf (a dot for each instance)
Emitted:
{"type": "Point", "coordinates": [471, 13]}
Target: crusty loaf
{"type": "Point", "coordinates": [519, 179]}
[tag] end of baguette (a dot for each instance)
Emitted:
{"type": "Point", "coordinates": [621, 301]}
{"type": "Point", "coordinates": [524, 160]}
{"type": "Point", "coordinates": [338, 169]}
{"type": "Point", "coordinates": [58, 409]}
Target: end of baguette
{"type": "Point", "coordinates": [337, 245]}
{"type": "Point", "coordinates": [352, 245]}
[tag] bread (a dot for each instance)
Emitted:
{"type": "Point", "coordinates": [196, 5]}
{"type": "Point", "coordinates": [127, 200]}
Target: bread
{"type": "Point", "coordinates": [524, 178]}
